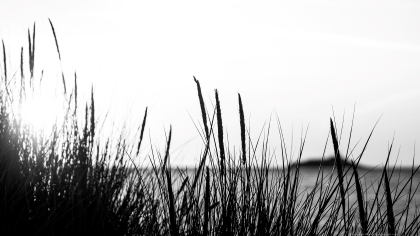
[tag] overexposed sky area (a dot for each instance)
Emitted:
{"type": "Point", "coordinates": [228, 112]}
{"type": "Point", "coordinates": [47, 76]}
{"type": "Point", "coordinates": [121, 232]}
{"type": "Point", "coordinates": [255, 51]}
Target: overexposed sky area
{"type": "Point", "coordinates": [296, 59]}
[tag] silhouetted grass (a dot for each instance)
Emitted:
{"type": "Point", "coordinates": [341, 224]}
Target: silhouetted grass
{"type": "Point", "coordinates": [72, 182]}
{"type": "Point", "coordinates": [362, 215]}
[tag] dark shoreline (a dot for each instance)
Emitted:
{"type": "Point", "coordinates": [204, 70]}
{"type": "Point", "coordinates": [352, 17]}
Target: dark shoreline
{"type": "Point", "coordinates": [308, 164]}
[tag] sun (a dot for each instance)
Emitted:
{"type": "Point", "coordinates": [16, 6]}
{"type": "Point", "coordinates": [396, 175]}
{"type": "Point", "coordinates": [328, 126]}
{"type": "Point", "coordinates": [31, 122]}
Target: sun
{"type": "Point", "coordinates": [41, 111]}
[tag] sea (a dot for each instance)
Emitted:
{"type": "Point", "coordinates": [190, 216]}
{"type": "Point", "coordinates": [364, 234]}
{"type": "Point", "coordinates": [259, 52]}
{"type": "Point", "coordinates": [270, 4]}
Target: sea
{"type": "Point", "coordinates": [400, 180]}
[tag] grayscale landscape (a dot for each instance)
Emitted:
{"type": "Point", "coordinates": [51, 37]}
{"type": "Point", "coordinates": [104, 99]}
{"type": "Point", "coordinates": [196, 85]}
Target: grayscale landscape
{"type": "Point", "coordinates": [224, 118]}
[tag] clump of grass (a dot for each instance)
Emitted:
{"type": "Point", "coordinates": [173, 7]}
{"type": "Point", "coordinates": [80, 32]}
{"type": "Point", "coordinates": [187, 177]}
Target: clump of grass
{"type": "Point", "coordinates": [67, 182]}
{"type": "Point", "coordinates": [70, 182]}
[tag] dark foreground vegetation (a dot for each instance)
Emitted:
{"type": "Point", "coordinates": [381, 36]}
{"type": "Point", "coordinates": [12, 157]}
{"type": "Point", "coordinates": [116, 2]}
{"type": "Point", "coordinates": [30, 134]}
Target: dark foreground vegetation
{"type": "Point", "coordinates": [69, 182]}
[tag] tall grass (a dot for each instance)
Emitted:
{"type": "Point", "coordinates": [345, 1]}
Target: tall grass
{"type": "Point", "coordinates": [73, 182]}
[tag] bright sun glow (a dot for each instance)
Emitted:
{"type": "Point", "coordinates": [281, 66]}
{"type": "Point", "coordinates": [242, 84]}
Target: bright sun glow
{"type": "Point", "coordinates": [42, 111]}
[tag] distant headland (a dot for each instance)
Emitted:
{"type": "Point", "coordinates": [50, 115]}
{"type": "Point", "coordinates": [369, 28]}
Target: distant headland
{"type": "Point", "coordinates": [330, 162]}
{"type": "Point", "coordinates": [326, 162]}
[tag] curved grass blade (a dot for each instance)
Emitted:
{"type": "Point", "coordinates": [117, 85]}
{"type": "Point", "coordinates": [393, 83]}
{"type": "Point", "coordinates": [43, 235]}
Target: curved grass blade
{"type": "Point", "coordinates": [339, 169]}
{"type": "Point", "coordinates": [362, 214]}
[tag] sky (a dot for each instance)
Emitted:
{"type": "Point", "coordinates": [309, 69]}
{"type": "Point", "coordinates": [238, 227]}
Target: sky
{"type": "Point", "coordinates": [300, 61]}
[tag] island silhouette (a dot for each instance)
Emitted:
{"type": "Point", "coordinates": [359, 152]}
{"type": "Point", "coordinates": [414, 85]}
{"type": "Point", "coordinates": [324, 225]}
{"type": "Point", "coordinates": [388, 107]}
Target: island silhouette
{"type": "Point", "coordinates": [326, 162]}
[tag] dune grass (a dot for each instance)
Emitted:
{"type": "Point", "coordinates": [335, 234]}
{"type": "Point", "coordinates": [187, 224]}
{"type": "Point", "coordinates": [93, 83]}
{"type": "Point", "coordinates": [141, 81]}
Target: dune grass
{"type": "Point", "coordinates": [71, 182]}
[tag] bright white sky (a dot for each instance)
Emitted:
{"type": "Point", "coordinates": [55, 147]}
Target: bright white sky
{"type": "Point", "coordinates": [296, 58]}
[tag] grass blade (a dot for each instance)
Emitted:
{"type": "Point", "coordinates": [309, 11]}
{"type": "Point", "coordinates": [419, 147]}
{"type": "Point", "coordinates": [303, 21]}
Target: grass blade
{"type": "Point", "coordinates": [75, 93]}
{"type": "Point", "coordinates": [339, 169]}
{"type": "Point", "coordinates": [207, 204]}
{"type": "Point", "coordinates": [4, 63]}
{"type": "Point", "coordinates": [242, 123]}
{"type": "Point", "coordinates": [59, 55]}
{"type": "Point", "coordinates": [92, 117]}
{"type": "Point", "coordinates": [141, 132]}
{"type": "Point", "coordinates": [172, 212]}
{"type": "Point", "coordinates": [360, 201]}
{"type": "Point", "coordinates": [389, 209]}
{"type": "Point", "coordinates": [55, 38]}
{"type": "Point", "coordinates": [168, 144]}
{"type": "Point", "coordinates": [30, 52]}
{"type": "Point", "coordinates": [33, 52]}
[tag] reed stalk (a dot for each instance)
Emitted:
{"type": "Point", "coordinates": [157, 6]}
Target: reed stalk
{"type": "Point", "coordinates": [220, 135]}
{"type": "Point", "coordinates": [203, 108]}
